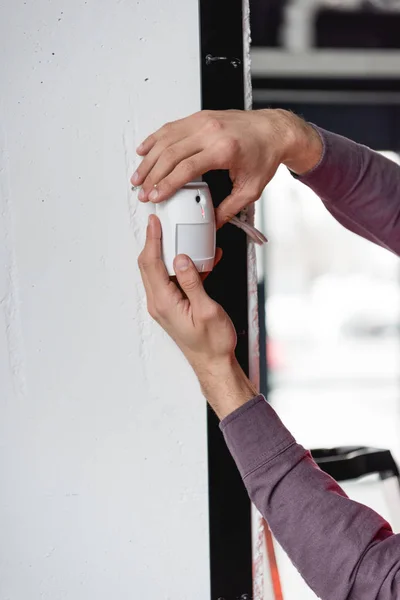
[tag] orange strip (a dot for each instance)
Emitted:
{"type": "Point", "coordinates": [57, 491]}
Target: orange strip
{"type": "Point", "coordinates": [276, 580]}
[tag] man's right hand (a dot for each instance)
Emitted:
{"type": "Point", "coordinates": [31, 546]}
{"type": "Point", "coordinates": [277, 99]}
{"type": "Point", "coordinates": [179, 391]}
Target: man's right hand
{"type": "Point", "coordinates": [250, 144]}
{"type": "Point", "coordinates": [197, 324]}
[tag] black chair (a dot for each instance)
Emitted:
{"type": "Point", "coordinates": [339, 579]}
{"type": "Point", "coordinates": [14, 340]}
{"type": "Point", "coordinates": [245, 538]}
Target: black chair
{"type": "Point", "coordinates": [353, 462]}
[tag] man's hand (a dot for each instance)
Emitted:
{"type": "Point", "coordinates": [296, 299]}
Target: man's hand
{"type": "Point", "coordinates": [250, 144]}
{"type": "Point", "coordinates": [199, 326]}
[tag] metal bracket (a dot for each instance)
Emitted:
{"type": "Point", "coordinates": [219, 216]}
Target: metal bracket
{"type": "Point", "coordinates": [234, 62]}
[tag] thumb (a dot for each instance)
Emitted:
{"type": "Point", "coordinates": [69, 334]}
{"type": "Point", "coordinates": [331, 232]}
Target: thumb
{"type": "Point", "coordinates": [234, 203]}
{"type": "Point", "coordinates": [189, 280]}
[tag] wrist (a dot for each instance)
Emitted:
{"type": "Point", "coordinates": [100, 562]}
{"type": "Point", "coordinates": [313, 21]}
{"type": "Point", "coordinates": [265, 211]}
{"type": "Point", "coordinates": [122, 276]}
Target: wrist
{"type": "Point", "coordinates": [302, 144]}
{"type": "Point", "coordinates": [225, 386]}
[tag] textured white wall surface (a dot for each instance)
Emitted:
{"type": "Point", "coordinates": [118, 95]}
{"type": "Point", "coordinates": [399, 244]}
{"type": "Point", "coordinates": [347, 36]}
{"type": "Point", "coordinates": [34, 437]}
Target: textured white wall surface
{"type": "Point", "coordinates": [103, 475]}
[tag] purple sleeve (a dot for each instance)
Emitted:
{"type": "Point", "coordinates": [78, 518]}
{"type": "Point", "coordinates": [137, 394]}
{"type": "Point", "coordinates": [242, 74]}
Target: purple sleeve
{"type": "Point", "coordinates": [344, 550]}
{"type": "Point", "coordinates": [360, 188]}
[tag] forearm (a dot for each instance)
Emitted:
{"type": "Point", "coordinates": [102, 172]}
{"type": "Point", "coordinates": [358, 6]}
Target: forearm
{"type": "Point", "coordinates": [225, 386]}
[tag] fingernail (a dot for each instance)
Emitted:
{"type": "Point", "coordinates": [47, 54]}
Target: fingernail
{"type": "Point", "coordinates": [141, 195]}
{"type": "Point", "coordinates": [153, 195]}
{"type": "Point", "coordinates": [181, 263]}
{"type": "Point", "coordinates": [135, 178]}
{"type": "Point", "coordinates": [140, 148]}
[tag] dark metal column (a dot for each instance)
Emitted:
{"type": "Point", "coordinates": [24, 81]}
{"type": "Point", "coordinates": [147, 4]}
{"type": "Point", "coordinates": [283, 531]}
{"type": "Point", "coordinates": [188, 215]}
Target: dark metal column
{"type": "Point", "coordinates": [229, 505]}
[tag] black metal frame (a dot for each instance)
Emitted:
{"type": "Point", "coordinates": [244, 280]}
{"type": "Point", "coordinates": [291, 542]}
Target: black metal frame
{"type": "Point", "coordinates": [229, 505]}
{"type": "Point", "coordinates": [348, 119]}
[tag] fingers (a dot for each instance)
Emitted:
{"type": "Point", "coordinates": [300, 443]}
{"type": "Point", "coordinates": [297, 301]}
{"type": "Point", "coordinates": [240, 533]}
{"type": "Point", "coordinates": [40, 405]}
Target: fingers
{"type": "Point", "coordinates": [178, 153]}
{"type": "Point", "coordinates": [234, 203]}
{"type": "Point", "coordinates": [165, 132]}
{"type": "Point", "coordinates": [187, 170]}
{"type": "Point", "coordinates": [158, 286]}
{"type": "Point", "coordinates": [152, 248]}
{"type": "Point", "coordinates": [154, 151]}
{"type": "Point", "coordinates": [161, 161]}
{"type": "Point", "coordinates": [173, 131]}
{"type": "Point", "coordinates": [164, 137]}
{"type": "Point", "coordinates": [190, 281]}
{"type": "Point", "coordinates": [218, 256]}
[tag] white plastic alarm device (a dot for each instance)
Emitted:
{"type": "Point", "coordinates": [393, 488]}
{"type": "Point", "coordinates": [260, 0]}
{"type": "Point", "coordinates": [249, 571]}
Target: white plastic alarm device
{"type": "Point", "coordinates": [188, 226]}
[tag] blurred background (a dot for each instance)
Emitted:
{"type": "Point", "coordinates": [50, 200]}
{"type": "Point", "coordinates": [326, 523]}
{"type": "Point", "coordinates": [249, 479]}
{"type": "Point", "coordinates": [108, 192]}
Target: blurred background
{"type": "Point", "coordinates": [332, 300]}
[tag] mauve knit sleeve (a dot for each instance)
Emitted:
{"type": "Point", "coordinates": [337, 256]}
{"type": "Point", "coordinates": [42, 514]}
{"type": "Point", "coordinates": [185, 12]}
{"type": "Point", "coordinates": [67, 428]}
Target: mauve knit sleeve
{"type": "Point", "coordinates": [360, 188]}
{"type": "Point", "coordinates": [344, 550]}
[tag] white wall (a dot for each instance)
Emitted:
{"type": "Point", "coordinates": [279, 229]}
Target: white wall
{"type": "Point", "coordinates": [103, 478]}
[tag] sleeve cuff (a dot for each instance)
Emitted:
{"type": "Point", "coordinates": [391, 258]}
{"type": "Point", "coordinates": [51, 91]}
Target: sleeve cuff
{"type": "Point", "coordinates": [255, 435]}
